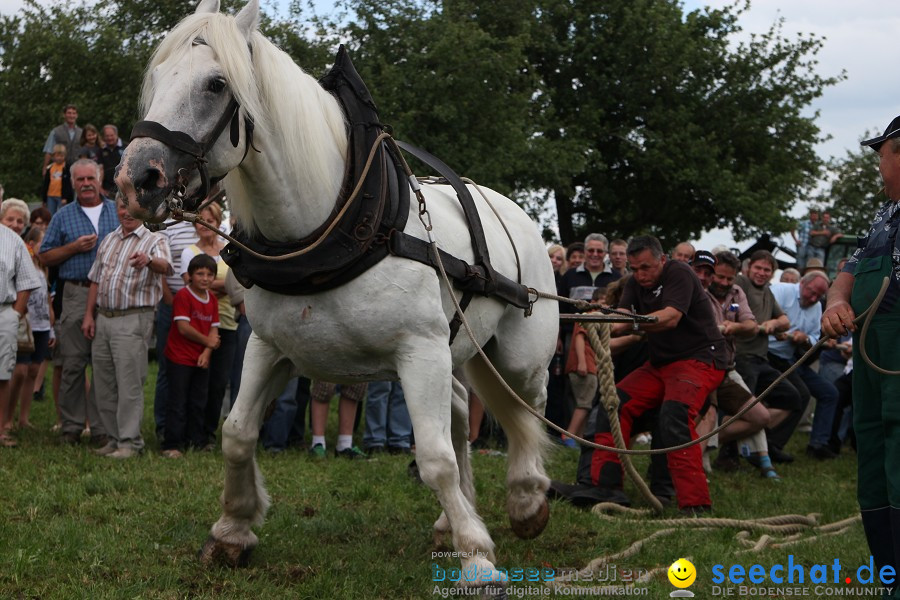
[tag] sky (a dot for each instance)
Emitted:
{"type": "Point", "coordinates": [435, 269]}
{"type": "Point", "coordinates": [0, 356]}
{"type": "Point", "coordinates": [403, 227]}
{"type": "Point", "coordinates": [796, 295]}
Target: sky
{"type": "Point", "coordinates": [859, 40]}
{"type": "Point", "coordinates": [859, 36]}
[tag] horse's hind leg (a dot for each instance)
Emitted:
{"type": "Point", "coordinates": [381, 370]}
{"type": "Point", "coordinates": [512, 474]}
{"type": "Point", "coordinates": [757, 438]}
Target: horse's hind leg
{"type": "Point", "coordinates": [244, 499]}
{"type": "Point", "coordinates": [459, 433]}
{"type": "Point", "coordinates": [425, 374]}
{"type": "Point", "coordinates": [527, 482]}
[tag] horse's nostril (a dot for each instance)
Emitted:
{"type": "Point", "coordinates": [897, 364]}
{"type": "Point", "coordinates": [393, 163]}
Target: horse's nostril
{"type": "Point", "coordinates": [150, 180]}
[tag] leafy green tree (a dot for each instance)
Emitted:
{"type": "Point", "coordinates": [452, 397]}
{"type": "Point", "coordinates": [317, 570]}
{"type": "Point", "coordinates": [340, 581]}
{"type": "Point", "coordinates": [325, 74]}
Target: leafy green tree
{"type": "Point", "coordinates": [452, 78]}
{"type": "Point", "coordinates": [51, 56]}
{"type": "Point", "coordinates": [856, 191]}
{"type": "Point", "coordinates": [659, 123]}
{"type": "Point", "coordinates": [93, 56]}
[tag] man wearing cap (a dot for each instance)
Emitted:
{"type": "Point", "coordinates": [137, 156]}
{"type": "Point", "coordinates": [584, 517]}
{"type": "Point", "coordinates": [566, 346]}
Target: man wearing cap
{"type": "Point", "coordinates": [735, 319]}
{"type": "Point", "coordinates": [876, 397]}
{"type": "Point", "coordinates": [800, 302]}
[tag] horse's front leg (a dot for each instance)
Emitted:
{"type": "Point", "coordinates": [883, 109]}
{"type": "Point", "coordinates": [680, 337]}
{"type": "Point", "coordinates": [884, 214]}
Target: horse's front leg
{"type": "Point", "coordinates": [244, 499]}
{"type": "Point", "coordinates": [426, 378]}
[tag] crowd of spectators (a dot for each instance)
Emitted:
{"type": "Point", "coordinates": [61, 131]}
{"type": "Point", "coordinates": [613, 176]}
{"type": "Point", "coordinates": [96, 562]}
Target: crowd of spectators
{"type": "Point", "coordinates": [729, 326]}
{"type": "Point", "coordinates": [95, 280]}
{"type": "Point", "coordinates": [85, 284]}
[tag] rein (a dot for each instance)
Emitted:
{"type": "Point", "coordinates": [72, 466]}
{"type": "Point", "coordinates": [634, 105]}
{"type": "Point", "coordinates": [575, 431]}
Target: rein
{"type": "Point", "coordinates": [185, 144]}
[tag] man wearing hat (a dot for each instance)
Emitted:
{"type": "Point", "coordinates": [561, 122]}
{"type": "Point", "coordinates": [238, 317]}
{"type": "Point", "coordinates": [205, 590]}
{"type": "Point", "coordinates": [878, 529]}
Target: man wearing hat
{"type": "Point", "coordinates": [814, 264]}
{"type": "Point", "coordinates": [876, 397]}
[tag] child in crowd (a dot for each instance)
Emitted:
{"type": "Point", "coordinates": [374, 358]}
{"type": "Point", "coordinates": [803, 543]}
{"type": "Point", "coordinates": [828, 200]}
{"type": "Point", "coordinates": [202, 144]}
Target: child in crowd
{"type": "Point", "coordinates": [57, 188]}
{"type": "Point", "coordinates": [193, 337]}
{"type": "Point", "coordinates": [90, 143]}
{"type": "Point", "coordinates": [40, 319]}
{"type": "Point", "coordinates": [581, 367]}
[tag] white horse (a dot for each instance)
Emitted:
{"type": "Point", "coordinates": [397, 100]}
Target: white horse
{"type": "Point", "coordinates": [391, 322]}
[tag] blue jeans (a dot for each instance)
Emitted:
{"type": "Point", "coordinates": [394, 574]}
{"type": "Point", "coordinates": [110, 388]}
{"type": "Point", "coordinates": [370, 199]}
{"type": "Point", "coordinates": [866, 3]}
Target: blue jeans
{"type": "Point", "coordinates": [220, 364]}
{"type": "Point", "coordinates": [826, 404]}
{"type": "Point", "coordinates": [387, 418]}
{"type": "Point", "coordinates": [163, 324]}
{"type": "Point", "coordinates": [287, 423]}
{"type": "Point", "coordinates": [53, 204]}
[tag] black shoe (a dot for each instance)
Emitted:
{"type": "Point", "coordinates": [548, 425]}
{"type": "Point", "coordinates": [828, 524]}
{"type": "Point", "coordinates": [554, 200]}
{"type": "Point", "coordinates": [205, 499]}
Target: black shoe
{"type": "Point", "coordinates": [478, 444]}
{"type": "Point", "coordinates": [728, 460]}
{"type": "Point", "coordinates": [98, 441]}
{"type": "Point", "coordinates": [352, 453]}
{"type": "Point", "coordinates": [820, 452]}
{"type": "Point", "coordinates": [780, 456]}
{"type": "Point", "coordinates": [585, 496]}
{"type": "Point", "coordinates": [373, 450]}
{"type": "Point", "coordinates": [70, 439]}
{"type": "Point", "coordinates": [413, 471]}
{"type": "Point", "coordinates": [398, 450]}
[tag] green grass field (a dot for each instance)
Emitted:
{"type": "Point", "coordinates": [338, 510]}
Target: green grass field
{"type": "Point", "coordinates": [75, 525]}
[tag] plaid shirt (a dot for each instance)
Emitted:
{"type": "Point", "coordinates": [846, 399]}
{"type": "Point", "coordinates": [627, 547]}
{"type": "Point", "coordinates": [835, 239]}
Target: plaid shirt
{"type": "Point", "coordinates": [803, 230]}
{"type": "Point", "coordinates": [121, 286]}
{"type": "Point", "coordinates": [69, 224]}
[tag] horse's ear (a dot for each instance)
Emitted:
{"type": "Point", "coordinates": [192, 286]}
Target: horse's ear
{"type": "Point", "coordinates": [207, 6]}
{"type": "Point", "coordinates": [248, 18]}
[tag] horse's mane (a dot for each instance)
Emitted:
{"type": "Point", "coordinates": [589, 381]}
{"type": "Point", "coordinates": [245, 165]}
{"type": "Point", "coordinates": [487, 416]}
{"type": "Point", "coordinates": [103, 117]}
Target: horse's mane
{"type": "Point", "coordinates": [293, 115]}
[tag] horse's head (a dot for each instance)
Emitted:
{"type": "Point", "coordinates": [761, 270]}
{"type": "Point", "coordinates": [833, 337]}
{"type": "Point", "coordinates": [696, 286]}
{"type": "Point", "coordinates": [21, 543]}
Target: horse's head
{"type": "Point", "coordinates": [198, 96]}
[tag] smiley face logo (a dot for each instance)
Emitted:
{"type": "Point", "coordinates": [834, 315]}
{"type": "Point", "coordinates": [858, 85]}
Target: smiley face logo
{"type": "Point", "coordinates": [682, 573]}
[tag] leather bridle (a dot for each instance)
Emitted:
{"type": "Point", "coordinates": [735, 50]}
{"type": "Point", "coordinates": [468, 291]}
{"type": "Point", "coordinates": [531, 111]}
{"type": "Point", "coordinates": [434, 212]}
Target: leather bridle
{"type": "Point", "coordinates": [185, 144]}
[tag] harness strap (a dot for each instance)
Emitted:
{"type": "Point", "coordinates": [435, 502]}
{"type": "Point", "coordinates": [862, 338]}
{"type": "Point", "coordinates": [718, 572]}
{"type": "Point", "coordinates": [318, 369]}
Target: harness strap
{"type": "Point", "coordinates": [176, 139]}
{"type": "Point", "coordinates": [476, 231]}
{"type": "Point", "coordinates": [467, 278]}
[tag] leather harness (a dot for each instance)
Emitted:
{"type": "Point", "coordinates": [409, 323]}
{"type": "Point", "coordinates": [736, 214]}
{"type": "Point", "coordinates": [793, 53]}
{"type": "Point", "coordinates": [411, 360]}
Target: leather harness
{"type": "Point", "coordinates": [373, 224]}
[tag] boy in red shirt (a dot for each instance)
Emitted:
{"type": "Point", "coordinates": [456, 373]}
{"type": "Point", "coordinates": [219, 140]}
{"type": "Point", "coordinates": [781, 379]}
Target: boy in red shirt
{"type": "Point", "coordinates": [195, 315]}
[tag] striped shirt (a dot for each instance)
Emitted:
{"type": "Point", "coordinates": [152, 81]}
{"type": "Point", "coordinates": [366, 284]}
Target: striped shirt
{"type": "Point", "coordinates": [180, 236]}
{"type": "Point", "coordinates": [70, 223]}
{"type": "Point", "coordinates": [121, 286]}
{"type": "Point", "coordinates": [17, 272]}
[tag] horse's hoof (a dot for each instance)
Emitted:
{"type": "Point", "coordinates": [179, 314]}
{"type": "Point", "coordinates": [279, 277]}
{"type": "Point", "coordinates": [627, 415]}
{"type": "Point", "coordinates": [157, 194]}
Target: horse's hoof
{"type": "Point", "coordinates": [530, 528]}
{"type": "Point", "coordinates": [217, 551]}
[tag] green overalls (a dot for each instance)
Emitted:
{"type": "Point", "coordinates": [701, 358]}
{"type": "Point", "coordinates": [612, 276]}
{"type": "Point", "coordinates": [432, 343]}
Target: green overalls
{"type": "Point", "coordinates": [876, 397]}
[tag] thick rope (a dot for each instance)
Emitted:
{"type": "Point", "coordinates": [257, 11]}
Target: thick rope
{"type": "Point", "coordinates": [598, 336]}
{"type": "Point", "coordinates": [789, 528]}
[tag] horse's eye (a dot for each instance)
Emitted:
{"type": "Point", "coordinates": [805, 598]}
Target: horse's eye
{"type": "Point", "coordinates": [216, 85]}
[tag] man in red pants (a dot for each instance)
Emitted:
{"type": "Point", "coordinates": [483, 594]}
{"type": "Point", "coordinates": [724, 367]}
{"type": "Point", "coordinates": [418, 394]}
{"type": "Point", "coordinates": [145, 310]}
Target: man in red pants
{"type": "Point", "coordinates": [687, 361]}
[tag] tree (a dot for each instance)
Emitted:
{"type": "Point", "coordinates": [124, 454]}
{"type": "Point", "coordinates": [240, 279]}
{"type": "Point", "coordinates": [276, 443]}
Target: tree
{"type": "Point", "coordinates": [93, 56]}
{"type": "Point", "coordinates": [855, 193]}
{"type": "Point", "coordinates": [454, 82]}
{"type": "Point", "coordinates": [656, 122]}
